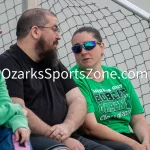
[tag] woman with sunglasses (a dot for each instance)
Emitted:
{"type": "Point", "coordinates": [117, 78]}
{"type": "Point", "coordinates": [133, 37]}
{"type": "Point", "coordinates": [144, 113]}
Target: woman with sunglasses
{"type": "Point", "coordinates": [111, 99]}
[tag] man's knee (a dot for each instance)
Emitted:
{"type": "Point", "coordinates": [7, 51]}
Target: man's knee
{"type": "Point", "coordinates": [45, 143]}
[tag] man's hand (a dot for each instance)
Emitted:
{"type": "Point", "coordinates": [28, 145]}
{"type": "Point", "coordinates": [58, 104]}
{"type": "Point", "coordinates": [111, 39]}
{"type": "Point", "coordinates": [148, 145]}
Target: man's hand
{"type": "Point", "coordinates": [73, 144]}
{"type": "Point", "coordinates": [59, 132]}
{"type": "Point", "coordinates": [22, 133]}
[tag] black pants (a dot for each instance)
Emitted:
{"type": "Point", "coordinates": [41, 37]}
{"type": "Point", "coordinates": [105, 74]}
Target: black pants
{"type": "Point", "coordinates": [113, 144]}
{"type": "Point", "coordinates": [45, 143]}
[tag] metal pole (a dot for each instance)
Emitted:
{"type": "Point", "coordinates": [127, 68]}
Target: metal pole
{"type": "Point", "coordinates": [28, 4]}
{"type": "Point", "coordinates": [133, 8]}
{"type": "Point", "coordinates": [24, 5]}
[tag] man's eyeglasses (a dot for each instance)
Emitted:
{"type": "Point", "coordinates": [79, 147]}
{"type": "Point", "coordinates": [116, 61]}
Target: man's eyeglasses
{"type": "Point", "coordinates": [55, 29]}
{"type": "Point", "coordinates": [77, 48]}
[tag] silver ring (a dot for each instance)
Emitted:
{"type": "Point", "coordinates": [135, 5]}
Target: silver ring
{"type": "Point", "coordinates": [60, 134]}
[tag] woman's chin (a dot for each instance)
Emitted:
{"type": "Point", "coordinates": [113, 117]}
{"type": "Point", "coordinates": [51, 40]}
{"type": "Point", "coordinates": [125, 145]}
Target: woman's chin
{"type": "Point", "coordinates": [87, 67]}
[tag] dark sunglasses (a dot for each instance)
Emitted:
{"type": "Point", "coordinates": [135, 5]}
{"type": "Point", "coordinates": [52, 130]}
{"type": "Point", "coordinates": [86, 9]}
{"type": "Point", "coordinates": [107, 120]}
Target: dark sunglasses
{"type": "Point", "coordinates": [77, 48]}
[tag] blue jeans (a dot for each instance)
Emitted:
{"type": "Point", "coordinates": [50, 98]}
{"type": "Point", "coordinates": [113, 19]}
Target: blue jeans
{"type": "Point", "coordinates": [6, 142]}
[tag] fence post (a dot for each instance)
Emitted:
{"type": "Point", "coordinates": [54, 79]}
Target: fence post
{"type": "Point", "coordinates": [28, 4]}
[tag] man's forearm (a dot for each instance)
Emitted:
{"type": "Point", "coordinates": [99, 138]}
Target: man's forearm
{"type": "Point", "coordinates": [36, 125]}
{"type": "Point", "coordinates": [76, 114]}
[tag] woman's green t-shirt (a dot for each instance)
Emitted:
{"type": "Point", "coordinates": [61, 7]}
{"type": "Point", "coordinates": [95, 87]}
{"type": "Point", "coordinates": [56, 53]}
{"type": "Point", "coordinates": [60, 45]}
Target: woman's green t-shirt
{"type": "Point", "coordinates": [113, 101]}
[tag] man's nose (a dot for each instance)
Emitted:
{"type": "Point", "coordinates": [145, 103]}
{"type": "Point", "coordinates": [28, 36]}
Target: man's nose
{"type": "Point", "coordinates": [58, 36]}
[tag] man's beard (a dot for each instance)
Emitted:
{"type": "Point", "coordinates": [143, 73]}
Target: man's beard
{"type": "Point", "coordinates": [50, 60]}
{"type": "Point", "coordinates": [48, 57]}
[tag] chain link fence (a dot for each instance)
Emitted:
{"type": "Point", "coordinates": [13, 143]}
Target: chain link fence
{"type": "Point", "coordinates": [10, 11]}
{"type": "Point", "coordinates": [126, 37]}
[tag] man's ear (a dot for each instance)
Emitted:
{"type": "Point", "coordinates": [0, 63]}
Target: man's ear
{"type": "Point", "coordinates": [35, 32]}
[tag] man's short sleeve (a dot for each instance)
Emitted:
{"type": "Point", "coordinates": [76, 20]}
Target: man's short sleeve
{"type": "Point", "coordinates": [65, 78]}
